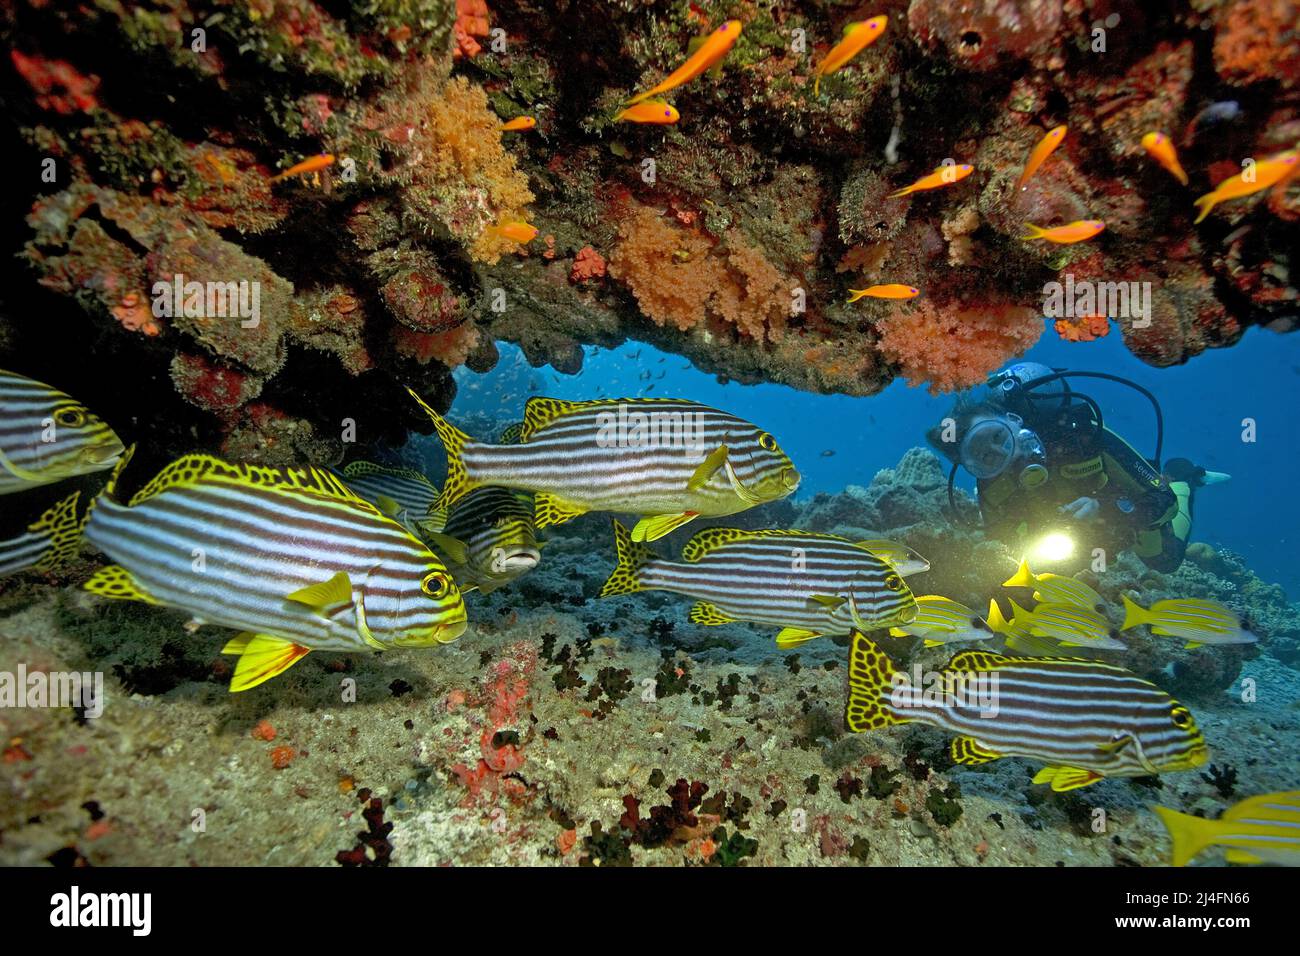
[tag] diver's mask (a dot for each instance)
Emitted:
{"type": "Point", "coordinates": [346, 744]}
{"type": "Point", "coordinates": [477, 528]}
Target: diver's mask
{"type": "Point", "coordinates": [994, 445]}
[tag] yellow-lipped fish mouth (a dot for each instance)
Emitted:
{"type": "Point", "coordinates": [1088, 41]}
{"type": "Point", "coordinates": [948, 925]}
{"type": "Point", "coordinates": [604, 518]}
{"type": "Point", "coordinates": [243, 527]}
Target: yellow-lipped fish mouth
{"type": "Point", "coordinates": [790, 477]}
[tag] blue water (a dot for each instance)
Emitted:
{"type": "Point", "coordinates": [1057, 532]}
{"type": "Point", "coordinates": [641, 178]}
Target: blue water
{"type": "Point", "coordinates": [1204, 402]}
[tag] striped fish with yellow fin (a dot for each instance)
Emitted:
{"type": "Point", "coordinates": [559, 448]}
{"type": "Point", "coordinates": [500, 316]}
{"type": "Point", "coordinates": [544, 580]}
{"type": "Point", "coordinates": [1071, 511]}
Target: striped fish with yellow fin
{"type": "Point", "coordinates": [1055, 588]}
{"type": "Point", "coordinates": [403, 494]}
{"type": "Point", "coordinates": [941, 620]}
{"type": "Point", "coordinates": [1263, 829]}
{"type": "Point", "coordinates": [669, 460]}
{"type": "Point", "coordinates": [1085, 719]}
{"type": "Point", "coordinates": [48, 542]}
{"type": "Point", "coordinates": [292, 558]}
{"type": "Point", "coordinates": [47, 436]}
{"type": "Point", "coordinates": [805, 583]}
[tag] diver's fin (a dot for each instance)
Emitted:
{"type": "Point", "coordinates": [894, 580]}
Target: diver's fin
{"type": "Point", "coordinates": [261, 657]}
{"type": "Point", "coordinates": [656, 526]}
{"type": "Point", "coordinates": [871, 679]}
{"type": "Point", "coordinates": [708, 615]}
{"type": "Point", "coordinates": [969, 752]}
{"type": "Point", "coordinates": [549, 509]}
{"type": "Point", "coordinates": [707, 469]}
{"type": "Point", "coordinates": [632, 557]}
{"type": "Point", "coordinates": [1066, 778]}
{"type": "Point", "coordinates": [794, 636]}
{"type": "Point", "coordinates": [325, 594]}
{"type": "Point", "coordinates": [115, 581]}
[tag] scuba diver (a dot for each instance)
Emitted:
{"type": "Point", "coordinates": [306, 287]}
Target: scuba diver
{"type": "Point", "coordinates": [1044, 460]}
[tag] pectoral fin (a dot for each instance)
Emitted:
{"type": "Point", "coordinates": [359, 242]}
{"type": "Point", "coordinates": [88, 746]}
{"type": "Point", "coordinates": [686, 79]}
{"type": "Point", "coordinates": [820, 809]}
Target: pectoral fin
{"type": "Point", "coordinates": [261, 657]}
{"type": "Point", "coordinates": [656, 526]}
{"type": "Point", "coordinates": [794, 636]}
{"type": "Point", "coordinates": [707, 469]}
{"type": "Point", "coordinates": [327, 594]}
{"type": "Point", "coordinates": [450, 547]}
{"type": "Point", "coordinates": [1066, 778]}
{"type": "Point", "coordinates": [969, 752]}
{"type": "Point", "coordinates": [831, 601]}
{"type": "Point", "coordinates": [709, 615]}
{"type": "Point", "coordinates": [387, 505]}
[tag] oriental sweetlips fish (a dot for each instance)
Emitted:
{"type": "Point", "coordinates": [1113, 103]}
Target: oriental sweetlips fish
{"type": "Point", "coordinates": [807, 584]}
{"type": "Point", "coordinates": [489, 538]}
{"type": "Point", "coordinates": [1085, 719]}
{"type": "Point", "coordinates": [1263, 829]}
{"type": "Point", "coordinates": [290, 557]}
{"type": "Point", "coordinates": [47, 436]}
{"type": "Point", "coordinates": [668, 459]}
{"type": "Point", "coordinates": [403, 494]}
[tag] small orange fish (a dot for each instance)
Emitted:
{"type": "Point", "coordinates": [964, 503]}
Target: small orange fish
{"type": "Point", "coordinates": [649, 111]}
{"type": "Point", "coordinates": [1074, 232]}
{"type": "Point", "coordinates": [1265, 173]}
{"type": "Point", "coordinates": [857, 37]}
{"type": "Point", "coordinates": [1046, 146]}
{"type": "Point", "coordinates": [313, 165]}
{"type": "Point", "coordinates": [518, 231]}
{"type": "Point", "coordinates": [518, 123]}
{"type": "Point", "coordinates": [1160, 149]}
{"type": "Point", "coordinates": [710, 52]}
{"type": "Point", "coordinates": [943, 176]}
{"type": "Point", "coordinates": [891, 291]}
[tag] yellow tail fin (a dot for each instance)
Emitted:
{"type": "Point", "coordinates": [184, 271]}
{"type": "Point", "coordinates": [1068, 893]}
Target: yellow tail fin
{"type": "Point", "coordinates": [1190, 835]}
{"type": "Point", "coordinates": [1023, 578]}
{"type": "Point", "coordinates": [458, 483]}
{"type": "Point", "coordinates": [632, 557]}
{"type": "Point", "coordinates": [1134, 614]}
{"type": "Point", "coordinates": [1210, 201]}
{"type": "Point", "coordinates": [1033, 232]}
{"type": "Point", "coordinates": [871, 679]}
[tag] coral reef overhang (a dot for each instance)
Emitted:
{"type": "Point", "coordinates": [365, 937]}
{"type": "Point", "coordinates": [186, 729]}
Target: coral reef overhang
{"type": "Point", "coordinates": [153, 135]}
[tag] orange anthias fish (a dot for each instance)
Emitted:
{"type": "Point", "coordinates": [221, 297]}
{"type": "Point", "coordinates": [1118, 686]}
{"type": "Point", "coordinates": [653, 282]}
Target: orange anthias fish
{"type": "Point", "coordinates": [518, 123]}
{"type": "Point", "coordinates": [313, 165]}
{"type": "Point", "coordinates": [892, 291]}
{"type": "Point", "coordinates": [711, 52]}
{"type": "Point", "coordinates": [943, 176]}
{"type": "Point", "coordinates": [518, 231]}
{"type": "Point", "coordinates": [857, 37]}
{"type": "Point", "coordinates": [1159, 148]}
{"type": "Point", "coordinates": [1074, 232]}
{"type": "Point", "coordinates": [1266, 173]}
{"type": "Point", "coordinates": [649, 111]}
{"type": "Point", "coordinates": [1046, 146]}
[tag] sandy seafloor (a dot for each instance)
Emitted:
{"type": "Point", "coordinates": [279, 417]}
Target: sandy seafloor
{"type": "Point", "coordinates": [485, 751]}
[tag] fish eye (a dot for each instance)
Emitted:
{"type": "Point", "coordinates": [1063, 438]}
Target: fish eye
{"type": "Point", "coordinates": [436, 585]}
{"type": "Point", "coordinates": [1182, 717]}
{"type": "Point", "coordinates": [70, 417]}
{"type": "Point", "coordinates": [766, 442]}
{"type": "Point", "coordinates": [894, 582]}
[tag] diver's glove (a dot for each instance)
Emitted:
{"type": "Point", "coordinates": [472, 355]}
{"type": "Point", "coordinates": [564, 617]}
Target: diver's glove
{"type": "Point", "coordinates": [1083, 509]}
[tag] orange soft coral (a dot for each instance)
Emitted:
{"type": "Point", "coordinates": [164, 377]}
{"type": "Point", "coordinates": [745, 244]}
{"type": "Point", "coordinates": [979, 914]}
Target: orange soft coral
{"type": "Point", "coordinates": [680, 277]}
{"type": "Point", "coordinates": [471, 22]}
{"type": "Point", "coordinates": [1086, 329]}
{"type": "Point", "coordinates": [587, 264]}
{"type": "Point", "coordinates": [956, 347]}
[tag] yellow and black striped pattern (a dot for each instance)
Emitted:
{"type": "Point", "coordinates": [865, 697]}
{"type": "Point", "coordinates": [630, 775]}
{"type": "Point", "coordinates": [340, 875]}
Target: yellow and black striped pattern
{"type": "Point", "coordinates": [1084, 718]}
{"type": "Point", "coordinates": [498, 539]}
{"type": "Point", "coordinates": [577, 457]}
{"type": "Point", "coordinates": [815, 583]}
{"type": "Point", "coordinates": [47, 436]}
{"type": "Point", "coordinates": [298, 557]}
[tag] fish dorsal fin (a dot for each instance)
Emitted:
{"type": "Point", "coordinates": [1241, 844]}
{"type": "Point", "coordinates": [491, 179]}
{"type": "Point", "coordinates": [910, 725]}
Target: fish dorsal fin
{"type": "Point", "coordinates": [511, 434]}
{"type": "Point", "coordinates": [978, 661]}
{"type": "Point", "coordinates": [852, 28]}
{"type": "Point", "coordinates": [540, 412]}
{"type": "Point", "coordinates": [710, 539]}
{"type": "Point", "coordinates": [361, 469]}
{"type": "Point", "coordinates": [325, 594]}
{"type": "Point", "coordinates": [193, 468]}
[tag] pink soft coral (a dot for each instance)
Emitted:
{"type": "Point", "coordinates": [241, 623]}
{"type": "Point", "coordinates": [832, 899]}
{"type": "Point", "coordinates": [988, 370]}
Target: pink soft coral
{"type": "Point", "coordinates": [955, 347]}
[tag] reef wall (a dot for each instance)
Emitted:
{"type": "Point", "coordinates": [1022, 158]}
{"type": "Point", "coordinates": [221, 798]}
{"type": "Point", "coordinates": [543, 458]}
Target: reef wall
{"type": "Point", "coordinates": [153, 136]}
